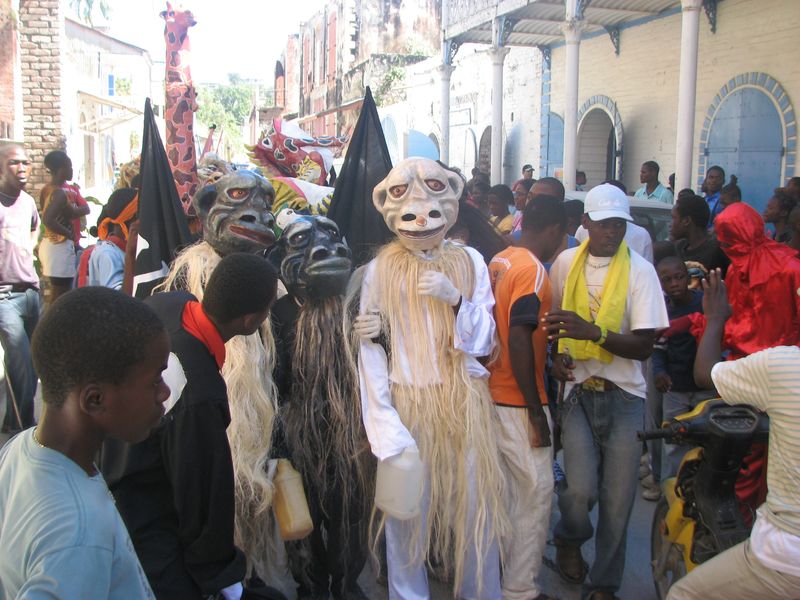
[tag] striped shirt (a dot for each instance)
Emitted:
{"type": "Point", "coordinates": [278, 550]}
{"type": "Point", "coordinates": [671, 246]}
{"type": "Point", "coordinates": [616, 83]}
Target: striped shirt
{"type": "Point", "coordinates": [770, 381]}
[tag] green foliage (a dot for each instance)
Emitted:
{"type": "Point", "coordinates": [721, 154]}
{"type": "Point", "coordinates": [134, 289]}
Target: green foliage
{"type": "Point", "coordinates": [390, 88]}
{"type": "Point", "coordinates": [85, 8]}
{"type": "Point", "coordinates": [122, 86]}
{"type": "Point", "coordinates": [226, 106]}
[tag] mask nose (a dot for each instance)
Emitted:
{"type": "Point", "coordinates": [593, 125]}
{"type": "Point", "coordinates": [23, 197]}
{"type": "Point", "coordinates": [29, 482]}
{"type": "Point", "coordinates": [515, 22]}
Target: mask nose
{"type": "Point", "coordinates": [421, 221]}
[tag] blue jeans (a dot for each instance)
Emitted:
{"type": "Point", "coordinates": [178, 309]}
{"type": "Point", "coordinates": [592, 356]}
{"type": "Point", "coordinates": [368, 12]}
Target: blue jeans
{"type": "Point", "coordinates": [19, 313]}
{"type": "Point", "coordinates": [601, 460]}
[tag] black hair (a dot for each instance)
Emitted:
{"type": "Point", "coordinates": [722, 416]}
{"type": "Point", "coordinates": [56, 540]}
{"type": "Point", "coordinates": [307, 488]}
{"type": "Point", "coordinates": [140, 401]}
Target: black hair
{"type": "Point", "coordinates": [671, 260]}
{"type": "Point", "coordinates": [786, 202]}
{"type": "Point", "coordinates": [618, 184]}
{"type": "Point", "coordinates": [503, 193]}
{"type": "Point", "coordinates": [90, 335]}
{"type": "Point", "coordinates": [716, 168]}
{"type": "Point", "coordinates": [663, 249]}
{"type": "Point", "coordinates": [696, 208]}
{"type": "Point", "coordinates": [574, 209]}
{"type": "Point", "coordinates": [651, 165]}
{"type": "Point", "coordinates": [560, 192]}
{"type": "Point", "coordinates": [55, 160]}
{"type": "Point", "coordinates": [795, 181]}
{"type": "Point", "coordinates": [480, 183]}
{"type": "Point", "coordinates": [732, 190]}
{"type": "Point", "coordinates": [542, 212]}
{"type": "Point", "coordinates": [241, 284]}
{"type": "Point", "coordinates": [686, 192]}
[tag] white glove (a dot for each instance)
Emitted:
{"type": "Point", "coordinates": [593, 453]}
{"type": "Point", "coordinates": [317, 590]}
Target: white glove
{"type": "Point", "coordinates": [437, 285]}
{"type": "Point", "coordinates": [368, 325]}
{"type": "Point", "coordinates": [232, 592]}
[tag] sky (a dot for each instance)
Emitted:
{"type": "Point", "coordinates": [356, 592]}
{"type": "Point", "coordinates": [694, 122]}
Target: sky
{"type": "Point", "coordinates": [231, 36]}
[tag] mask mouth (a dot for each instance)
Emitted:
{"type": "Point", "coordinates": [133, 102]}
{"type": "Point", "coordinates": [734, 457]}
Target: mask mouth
{"type": "Point", "coordinates": [253, 232]}
{"type": "Point", "coordinates": [421, 235]}
{"type": "Point", "coordinates": [329, 266]}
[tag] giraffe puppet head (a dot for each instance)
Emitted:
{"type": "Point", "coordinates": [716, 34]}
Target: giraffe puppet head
{"type": "Point", "coordinates": [178, 21]}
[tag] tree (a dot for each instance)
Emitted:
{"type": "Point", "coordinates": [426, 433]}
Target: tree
{"type": "Point", "coordinates": [85, 8]}
{"type": "Point", "coordinates": [226, 106]}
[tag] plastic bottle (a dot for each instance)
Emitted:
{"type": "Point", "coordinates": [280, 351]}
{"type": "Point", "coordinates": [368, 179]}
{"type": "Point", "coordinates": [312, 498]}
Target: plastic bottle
{"type": "Point", "coordinates": [289, 503]}
{"type": "Point", "coordinates": [398, 486]}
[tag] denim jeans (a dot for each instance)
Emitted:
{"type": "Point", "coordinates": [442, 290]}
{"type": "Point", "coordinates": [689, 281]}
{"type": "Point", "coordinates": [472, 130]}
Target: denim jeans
{"type": "Point", "coordinates": [601, 459]}
{"type": "Point", "coordinates": [19, 313]}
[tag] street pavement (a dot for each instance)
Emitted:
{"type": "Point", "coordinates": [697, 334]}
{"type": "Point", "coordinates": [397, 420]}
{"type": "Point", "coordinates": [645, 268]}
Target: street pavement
{"type": "Point", "coordinates": [637, 583]}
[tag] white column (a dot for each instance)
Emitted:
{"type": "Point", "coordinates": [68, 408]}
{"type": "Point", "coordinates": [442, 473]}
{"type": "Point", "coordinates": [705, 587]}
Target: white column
{"type": "Point", "coordinates": [687, 92]}
{"type": "Point", "coordinates": [572, 36]}
{"type": "Point", "coordinates": [498, 56]}
{"type": "Point", "coordinates": [445, 71]}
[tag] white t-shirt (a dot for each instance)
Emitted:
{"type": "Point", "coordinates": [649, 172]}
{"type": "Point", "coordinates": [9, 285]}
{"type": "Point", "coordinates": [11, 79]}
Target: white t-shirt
{"type": "Point", "coordinates": [769, 381]}
{"type": "Point", "coordinates": [637, 238]}
{"type": "Point", "coordinates": [644, 309]}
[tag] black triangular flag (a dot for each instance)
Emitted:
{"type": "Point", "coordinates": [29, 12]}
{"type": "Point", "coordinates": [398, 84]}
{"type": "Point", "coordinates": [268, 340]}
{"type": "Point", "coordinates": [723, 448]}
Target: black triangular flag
{"type": "Point", "coordinates": [366, 164]}
{"type": "Point", "coordinates": [163, 228]}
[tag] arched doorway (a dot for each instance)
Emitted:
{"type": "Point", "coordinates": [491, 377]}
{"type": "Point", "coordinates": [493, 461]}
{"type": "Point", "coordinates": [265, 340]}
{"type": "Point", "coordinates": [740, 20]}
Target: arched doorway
{"type": "Point", "coordinates": [597, 147]}
{"type": "Point", "coordinates": [485, 151]}
{"type": "Point", "coordinates": [513, 155]}
{"type": "Point", "coordinates": [392, 142]}
{"type": "Point", "coordinates": [435, 141]}
{"type": "Point", "coordinates": [746, 139]}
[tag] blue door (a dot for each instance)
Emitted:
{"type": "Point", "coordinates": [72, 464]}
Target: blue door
{"type": "Point", "coordinates": [746, 140]}
{"type": "Point", "coordinates": [555, 145]}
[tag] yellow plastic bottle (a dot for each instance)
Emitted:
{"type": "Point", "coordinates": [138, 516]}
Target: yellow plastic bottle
{"type": "Point", "coordinates": [398, 484]}
{"type": "Point", "coordinates": [289, 503]}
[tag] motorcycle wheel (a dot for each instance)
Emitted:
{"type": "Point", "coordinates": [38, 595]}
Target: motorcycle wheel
{"type": "Point", "coordinates": [666, 557]}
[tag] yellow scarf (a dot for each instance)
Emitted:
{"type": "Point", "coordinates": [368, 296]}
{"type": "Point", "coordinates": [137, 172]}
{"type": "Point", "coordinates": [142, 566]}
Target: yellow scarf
{"type": "Point", "coordinates": [612, 303]}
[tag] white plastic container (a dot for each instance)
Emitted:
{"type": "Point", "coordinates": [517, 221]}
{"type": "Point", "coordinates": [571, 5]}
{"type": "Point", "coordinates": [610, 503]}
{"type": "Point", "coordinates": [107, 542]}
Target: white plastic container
{"type": "Point", "coordinates": [289, 503]}
{"type": "Point", "coordinates": [398, 486]}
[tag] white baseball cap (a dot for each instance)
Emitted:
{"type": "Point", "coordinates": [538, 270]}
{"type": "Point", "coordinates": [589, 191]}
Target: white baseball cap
{"type": "Point", "coordinates": [607, 201]}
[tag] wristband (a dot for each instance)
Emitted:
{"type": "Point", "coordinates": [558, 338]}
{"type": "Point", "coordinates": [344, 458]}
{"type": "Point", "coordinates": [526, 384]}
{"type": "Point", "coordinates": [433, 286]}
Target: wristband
{"type": "Point", "coordinates": [603, 335]}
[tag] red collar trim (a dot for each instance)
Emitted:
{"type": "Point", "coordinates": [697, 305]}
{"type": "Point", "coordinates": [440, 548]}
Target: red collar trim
{"type": "Point", "coordinates": [196, 322]}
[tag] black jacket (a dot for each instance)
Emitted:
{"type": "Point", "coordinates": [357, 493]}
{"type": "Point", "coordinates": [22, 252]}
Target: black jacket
{"type": "Point", "coordinates": [175, 490]}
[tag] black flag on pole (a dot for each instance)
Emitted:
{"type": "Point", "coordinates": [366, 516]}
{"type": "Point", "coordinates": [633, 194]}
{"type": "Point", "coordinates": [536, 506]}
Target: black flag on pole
{"type": "Point", "coordinates": [366, 164]}
{"type": "Point", "coordinates": [163, 228]}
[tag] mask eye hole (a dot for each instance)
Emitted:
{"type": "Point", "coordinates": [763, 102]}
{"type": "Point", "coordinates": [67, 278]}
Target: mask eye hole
{"type": "Point", "coordinates": [398, 190]}
{"type": "Point", "coordinates": [237, 193]}
{"type": "Point", "coordinates": [299, 238]}
{"type": "Point", "coordinates": [408, 217]}
{"type": "Point", "coordinates": [435, 184]}
{"type": "Point", "coordinates": [434, 214]}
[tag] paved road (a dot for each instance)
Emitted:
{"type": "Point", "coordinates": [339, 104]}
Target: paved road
{"type": "Point", "coordinates": [637, 583]}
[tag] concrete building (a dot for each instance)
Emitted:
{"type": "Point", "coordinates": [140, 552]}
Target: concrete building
{"type": "Point", "coordinates": [72, 87]}
{"type": "Point", "coordinates": [351, 44]}
{"type": "Point", "coordinates": [688, 83]}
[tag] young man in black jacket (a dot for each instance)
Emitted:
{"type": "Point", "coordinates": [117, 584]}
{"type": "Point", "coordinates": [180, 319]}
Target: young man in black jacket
{"type": "Point", "coordinates": [175, 490]}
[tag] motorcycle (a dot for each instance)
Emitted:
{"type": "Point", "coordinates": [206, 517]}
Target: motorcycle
{"type": "Point", "coordinates": [698, 515]}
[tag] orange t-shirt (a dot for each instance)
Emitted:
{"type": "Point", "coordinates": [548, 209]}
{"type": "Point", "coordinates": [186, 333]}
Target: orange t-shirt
{"type": "Point", "coordinates": [517, 275]}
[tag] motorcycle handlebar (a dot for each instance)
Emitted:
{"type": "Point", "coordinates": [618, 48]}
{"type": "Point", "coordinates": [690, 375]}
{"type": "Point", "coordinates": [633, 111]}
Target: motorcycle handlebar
{"type": "Point", "coordinates": [658, 434]}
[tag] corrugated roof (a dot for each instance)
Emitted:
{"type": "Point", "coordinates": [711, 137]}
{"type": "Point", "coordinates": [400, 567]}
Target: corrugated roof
{"type": "Point", "coordinates": [538, 22]}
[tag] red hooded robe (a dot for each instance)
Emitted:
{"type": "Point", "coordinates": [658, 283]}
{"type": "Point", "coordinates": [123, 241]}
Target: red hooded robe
{"type": "Point", "coordinates": [763, 284]}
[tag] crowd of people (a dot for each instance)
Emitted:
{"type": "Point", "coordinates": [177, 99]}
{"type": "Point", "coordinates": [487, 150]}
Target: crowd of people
{"type": "Point", "coordinates": [466, 370]}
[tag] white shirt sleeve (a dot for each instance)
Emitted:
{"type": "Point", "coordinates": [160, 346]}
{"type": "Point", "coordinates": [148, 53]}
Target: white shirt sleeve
{"type": "Point", "coordinates": [558, 275]}
{"type": "Point", "coordinates": [475, 326]}
{"type": "Point", "coordinates": [581, 233]}
{"type": "Point", "coordinates": [647, 307]}
{"type": "Point", "coordinates": [747, 380]}
{"type": "Point", "coordinates": [385, 430]}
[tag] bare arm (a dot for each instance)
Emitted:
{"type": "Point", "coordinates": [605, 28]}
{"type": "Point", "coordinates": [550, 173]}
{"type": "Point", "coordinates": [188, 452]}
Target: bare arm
{"type": "Point", "coordinates": [58, 209]}
{"type": "Point", "coordinates": [636, 345]}
{"type": "Point", "coordinates": [717, 311]}
{"type": "Point", "coordinates": [523, 366]}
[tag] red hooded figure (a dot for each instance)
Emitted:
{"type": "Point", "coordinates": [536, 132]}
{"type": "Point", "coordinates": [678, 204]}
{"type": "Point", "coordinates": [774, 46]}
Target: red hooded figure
{"type": "Point", "coordinates": [763, 284]}
{"type": "Point", "coordinates": [764, 292]}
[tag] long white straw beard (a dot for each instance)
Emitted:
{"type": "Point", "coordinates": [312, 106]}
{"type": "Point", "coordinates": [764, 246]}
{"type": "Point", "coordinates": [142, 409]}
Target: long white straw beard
{"type": "Point", "coordinates": [454, 421]}
{"type": "Point", "coordinates": [252, 399]}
